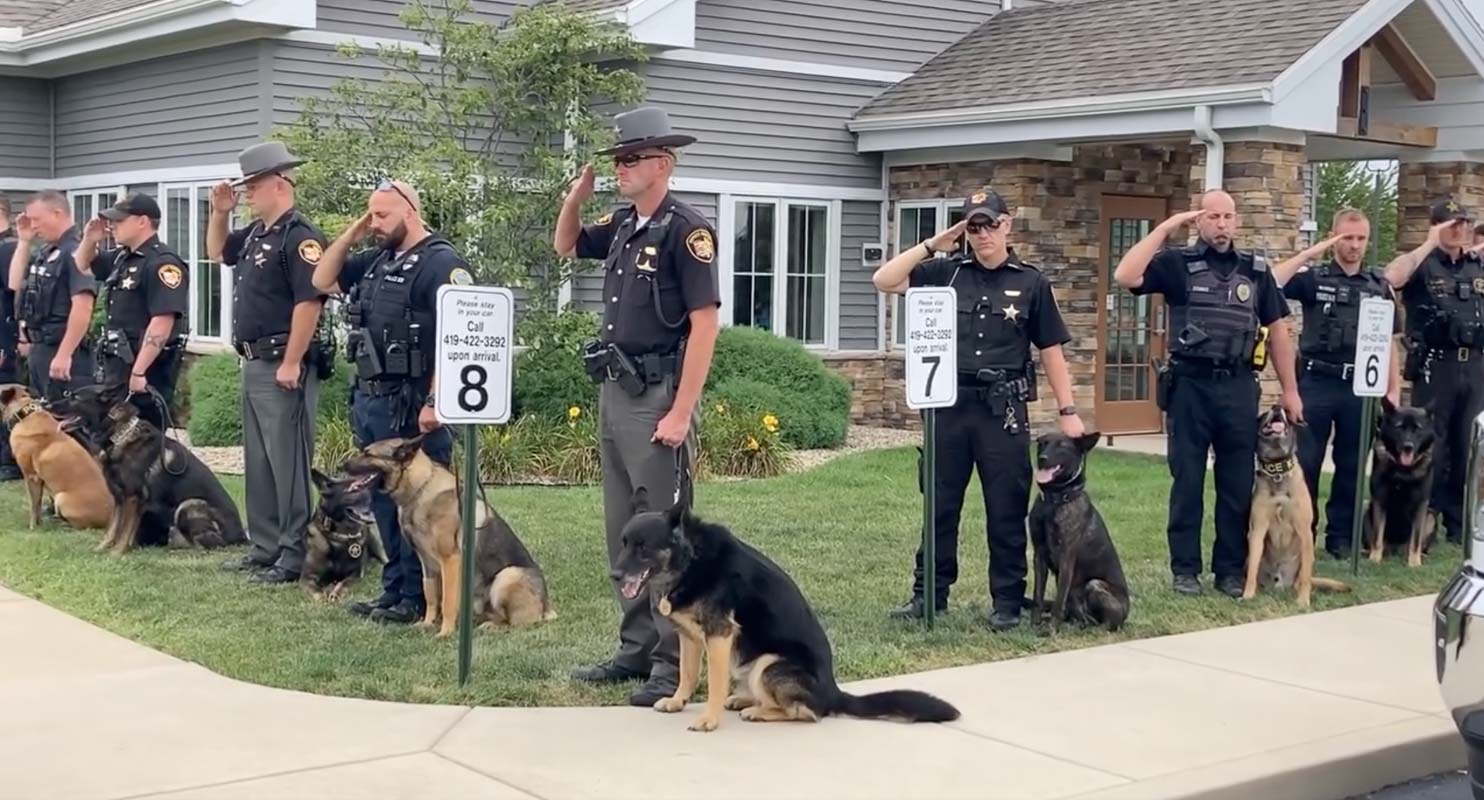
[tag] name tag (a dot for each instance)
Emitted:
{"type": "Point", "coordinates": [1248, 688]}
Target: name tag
{"type": "Point", "coordinates": [394, 279]}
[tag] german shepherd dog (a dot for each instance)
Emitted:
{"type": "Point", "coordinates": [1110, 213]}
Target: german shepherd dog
{"type": "Point", "coordinates": [342, 538]}
{"type": "Point", "coordinates": [1071, 540]}
{"type": "Point", "coordinates": [510, 588]}
{"type": "Point", "coordinates": [163, 493]}
{"type": "Point", "coordinates": [750, 619]}
{"type": "Point", "coordinates": [1401, 483]}
{"type": "Point", "coordinates": [1280, 537]}
{"type": "Point", "coordinates": [52, 461]}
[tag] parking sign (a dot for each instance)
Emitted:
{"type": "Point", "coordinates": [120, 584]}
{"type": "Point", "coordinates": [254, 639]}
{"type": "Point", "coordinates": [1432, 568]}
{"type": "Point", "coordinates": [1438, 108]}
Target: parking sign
{"type": "Point", "coordinates": [932, 347]}
{"type": "Point", "coordinates": [476, 326]}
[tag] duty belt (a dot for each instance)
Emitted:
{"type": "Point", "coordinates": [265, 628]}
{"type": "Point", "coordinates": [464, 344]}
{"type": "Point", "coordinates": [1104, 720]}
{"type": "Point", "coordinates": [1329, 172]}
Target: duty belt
{"type": "Point", "coordinates": [266, 347]}
{"type": "Point", "coordinates": [380, 387]}
{"type": "Point", "coordinates": [655, 367]}
{"type": "Point", "coordinates": [1452, 353]}
{"type": "Point", "coordinates": [1190, 368]}
{"type": "Point", "coordinates": [1342, 371]}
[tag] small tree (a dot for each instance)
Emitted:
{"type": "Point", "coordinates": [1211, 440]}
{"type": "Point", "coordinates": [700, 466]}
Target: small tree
{"type": "Point", "coordinates": [490, 131]}
{"type": "Point", "coordinates": [1351, 184]}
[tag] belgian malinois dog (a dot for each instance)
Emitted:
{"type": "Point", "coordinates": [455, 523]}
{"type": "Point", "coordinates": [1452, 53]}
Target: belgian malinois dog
{"type": "Point", "coordinates": [1280, 535]}
{"type": "Point", "coordinates": [52, 461]}
{"type": "Point", "coordinates": [1401, 483]}
{"type": "Point", "coordinates": [509, 587]}
{"type": "Point", "coordinates": [342, 537]}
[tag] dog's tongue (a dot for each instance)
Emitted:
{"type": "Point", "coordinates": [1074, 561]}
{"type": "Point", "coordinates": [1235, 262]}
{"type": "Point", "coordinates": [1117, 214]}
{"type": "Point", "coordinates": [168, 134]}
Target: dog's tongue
{"type": "Point", "coordinates": [632, 584]}
{"type": "Point", "coordinates": [1047, 475]}
{"type": "Point", "coordinates": [1407, 459]}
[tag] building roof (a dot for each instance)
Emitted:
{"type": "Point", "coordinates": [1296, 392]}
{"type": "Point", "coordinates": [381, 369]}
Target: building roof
{"type": "Point", "coordinates": [32, 16]}
{"type": "Point", "coordinates": [1091, 48]}
{"type": "Point", "coordinates": [593, 6]}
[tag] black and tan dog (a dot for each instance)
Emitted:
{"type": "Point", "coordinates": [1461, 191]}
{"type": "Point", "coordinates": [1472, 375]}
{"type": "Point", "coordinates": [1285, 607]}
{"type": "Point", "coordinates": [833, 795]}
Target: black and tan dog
{"type": "Point", "coordinates": [509, 587]}
{"type": "Point", "coordinates": [1401, 483]}
{"type": "Point", "coordinates": [51, 461]}
{"type": "Point", "coordinates": [342, 537]}
{"type": "Point", "coordinates": [163, 493]}
{"type": "Point", "coordinates": [1071, 540]}
{"type": "Point", "coordinates": [1280, 534]}
{"type": "Point", "coordinates": [730, 601]}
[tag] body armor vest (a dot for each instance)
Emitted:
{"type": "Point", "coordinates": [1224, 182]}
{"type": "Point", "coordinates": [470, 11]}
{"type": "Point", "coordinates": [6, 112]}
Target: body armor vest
{"type": "Point", "coordinates": [390, 339]}
{"type": "Point", "coordinates": [988, 338]}
{"type": "Point", "coordinates": [37, 303]}
{"type": "Point", "coordinates": [1330, 324]}
{"type": "Point", "coordinates": [1453, 314]}
{"type": "Point", "coordinates": [1218, 322]}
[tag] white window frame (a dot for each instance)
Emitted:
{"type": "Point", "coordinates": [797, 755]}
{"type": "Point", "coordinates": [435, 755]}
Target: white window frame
{"type": "Point", "coordinates": [942, 207]}
{"type": "Point", "coordinates": [187, 252]}
{"type": "Point", "coordinates": [727, 234]}
{"type": "Point", "coordinates": [107, 195]}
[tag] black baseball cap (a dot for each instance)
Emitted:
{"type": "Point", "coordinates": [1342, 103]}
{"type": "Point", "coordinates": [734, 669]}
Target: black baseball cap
{"type": "Point", "coordinates": [985, 202]}
{"type": "Point", "coordinates": [137, 204]}
{"type": "Point", "coordinates": [1449, 210]}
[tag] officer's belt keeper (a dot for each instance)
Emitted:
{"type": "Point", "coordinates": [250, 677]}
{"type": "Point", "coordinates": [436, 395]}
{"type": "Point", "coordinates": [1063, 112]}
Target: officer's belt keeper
{"type": "Point", "coordinates": [1325, 368]}
{"type": "Point", "coordinates": [268, 347]}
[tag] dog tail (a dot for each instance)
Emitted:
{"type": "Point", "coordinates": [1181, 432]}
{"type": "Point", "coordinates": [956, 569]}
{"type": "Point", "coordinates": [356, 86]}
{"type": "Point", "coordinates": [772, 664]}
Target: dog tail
{"type": "Point", "coordinates": [903, 704]}
{"type": "Point", "coordinates": [1329, 584]}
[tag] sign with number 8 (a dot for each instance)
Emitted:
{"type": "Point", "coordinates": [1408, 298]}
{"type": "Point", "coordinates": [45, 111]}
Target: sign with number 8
{"type": "Point", "coordinates": [476, 328]}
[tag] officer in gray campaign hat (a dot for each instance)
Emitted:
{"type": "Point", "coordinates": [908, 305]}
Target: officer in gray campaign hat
{"type": "Point", "coordinates": [659, 326]}
{"type": "Point", "coordinates": [276, 309]}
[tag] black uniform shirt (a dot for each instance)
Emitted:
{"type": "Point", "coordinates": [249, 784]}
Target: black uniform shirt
{"type": "Point", "coordinates": [8, 334]}
{"type": "Point", "coordinates": [274, 269]}
{"type": "Point", "coordinates": [1000, 311]}
{"type": "Point", "coordinates": [143, 283]}
{"type": "Point", "coordinates": [53, 266]}
{"type": "Point", "coordinates": [431, 269]}
{"type": "Point", "coordinates": [1304, 287]}
{"type": "Point", "coordinates": [1416, 292]}
{"type": "Point", "coordinates": [1167, 275]}
{"type": "Point", "coordinates": [681, 263]}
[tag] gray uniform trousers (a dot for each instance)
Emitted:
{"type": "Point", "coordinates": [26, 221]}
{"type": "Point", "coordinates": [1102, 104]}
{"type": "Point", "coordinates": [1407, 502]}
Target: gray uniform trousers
{"type": "Point", "coordinates": [277, 448]}
{"type": "Point", "coordinates": [647, 640]}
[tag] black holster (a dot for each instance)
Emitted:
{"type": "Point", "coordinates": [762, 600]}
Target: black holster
{"type": "Point", "coordinates": [1416, 362]}
{"type": "Point", "coordinates": [1164, 384]}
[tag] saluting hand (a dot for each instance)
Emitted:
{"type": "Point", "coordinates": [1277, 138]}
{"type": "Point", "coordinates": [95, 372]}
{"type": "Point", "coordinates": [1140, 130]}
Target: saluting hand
{"type": "Point", "coordinates": [24, 228]}
{"type": "Point", "coordinates": [1435, 233]}
{"type": "Point", "coordinates": [223, 199]}
{"type": "Point", "coordinates": [361, 227]}
{"type": "Point", "coordinates": [1183, 218]}
{"type": "Point", "coordinates": [583, 188]}
{"type": "Point", "coordinates": [948, 240]}
{"type": "Point", "coordinates": [95, 230]}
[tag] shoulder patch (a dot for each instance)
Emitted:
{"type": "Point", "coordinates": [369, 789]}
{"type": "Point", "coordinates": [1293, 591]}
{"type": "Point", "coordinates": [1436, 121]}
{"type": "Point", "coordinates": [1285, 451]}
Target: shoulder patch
{"type": "Point", "coordinates": [310, 251]}
{"type": "Point", "coordinates": [605, 219]}
{"type": "Point", "coordinates": [701, 245]}
{"type": "Point", "coordinates": [171, 276]}
{"type": "Point", "coordinates": [460, 277]}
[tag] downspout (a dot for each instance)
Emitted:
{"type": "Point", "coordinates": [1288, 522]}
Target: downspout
{"type": "Point", "coordinates": [1215, 149]}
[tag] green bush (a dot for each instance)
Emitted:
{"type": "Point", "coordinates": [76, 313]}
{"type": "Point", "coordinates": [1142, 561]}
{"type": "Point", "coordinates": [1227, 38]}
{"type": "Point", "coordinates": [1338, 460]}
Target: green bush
{"type": "Point", "coordinates": [216, 400]}
{"type": "Point", "coordinates": [765, 373]}
{"type": "Point", "coordinates": [333, 444]}
{"type": "Point", "coordinates": [549, 376]}
{"type": "Point", "coordinates": [737, 441]}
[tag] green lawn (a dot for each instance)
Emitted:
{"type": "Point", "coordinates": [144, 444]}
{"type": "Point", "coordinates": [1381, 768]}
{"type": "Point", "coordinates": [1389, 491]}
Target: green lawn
{"type": "Point", "coordinates": [845, 531]}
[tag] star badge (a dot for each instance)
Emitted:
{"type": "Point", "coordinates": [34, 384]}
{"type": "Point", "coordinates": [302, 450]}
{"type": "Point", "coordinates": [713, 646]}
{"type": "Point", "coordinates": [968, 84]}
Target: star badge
{"type": "Point", "coordinates": [1012, 313]}
{"type": "Point", "coordinates": [126, 284]}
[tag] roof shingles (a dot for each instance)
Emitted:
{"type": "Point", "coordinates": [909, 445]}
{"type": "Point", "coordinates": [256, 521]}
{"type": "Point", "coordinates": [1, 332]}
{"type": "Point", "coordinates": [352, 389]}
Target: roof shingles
{"type": "Point", "coordinates": [33, 16]}
{"type": "Point", "coordinates": [1088, 48]}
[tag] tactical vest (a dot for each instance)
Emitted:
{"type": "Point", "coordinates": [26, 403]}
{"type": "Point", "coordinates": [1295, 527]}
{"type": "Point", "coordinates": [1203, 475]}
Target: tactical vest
{"type": "Point", "coordinates": [987, 338]}
{"type": "Point", "coordinates": [1330, 324]}
{"type": "Point", "coordinates": [1218, 322]}
{"type": "Point", "coordinates": [1453, 313]}
{"type": "Point", "coordinates": [392, 339]}
{"type": "Point", "coordinates": [40, 304]}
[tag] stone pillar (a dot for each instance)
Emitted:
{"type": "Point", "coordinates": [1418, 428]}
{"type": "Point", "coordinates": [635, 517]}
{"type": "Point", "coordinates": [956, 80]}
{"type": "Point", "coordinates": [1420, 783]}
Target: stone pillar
{"type": "Point", "coordinates": [1419, 186]}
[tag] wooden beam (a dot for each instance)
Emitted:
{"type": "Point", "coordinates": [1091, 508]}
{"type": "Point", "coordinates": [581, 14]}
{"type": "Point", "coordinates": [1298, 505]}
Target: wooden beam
{"type": "Point", "coordinates": [1355, 78]}
{"type": "Point", "coordinates": [1402, 58]}
{"type": "Point", "coordinates": [1388, 133]}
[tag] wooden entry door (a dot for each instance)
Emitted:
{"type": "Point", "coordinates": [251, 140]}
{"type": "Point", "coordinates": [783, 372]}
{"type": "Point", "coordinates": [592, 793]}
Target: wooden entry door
{"type": "Point", "coordinates": [1131, 329]}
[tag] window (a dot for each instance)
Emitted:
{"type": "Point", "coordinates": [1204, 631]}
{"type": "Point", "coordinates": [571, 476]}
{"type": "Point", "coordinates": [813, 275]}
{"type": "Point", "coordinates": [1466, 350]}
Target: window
{"type": "Point", "coordinates": [86, 203]}
{"type": "Point", "coordinates": [783, 266]}
{"type": "Point", "coordinates": [186, 210]}
{"type": "Point", "coordinates": [918, 220]}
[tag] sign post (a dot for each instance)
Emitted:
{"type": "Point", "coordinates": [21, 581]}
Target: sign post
{"type": "Point", "coordinates": [932, 383]}
{"type": "Point", "coordinates": [476, 326]}
{"type": "Point", "coordinates": [1372, 377]}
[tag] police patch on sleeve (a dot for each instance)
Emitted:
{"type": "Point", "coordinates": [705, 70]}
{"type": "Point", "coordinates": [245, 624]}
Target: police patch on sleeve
{"type": "Point", "coordinates": [701, 245]}
{"type": "Point", "coordinates": [460, 277]}
{"type": "Point", "coordinates": [310, 251]}
{"type": "Point", "coordinates": [170, 276]}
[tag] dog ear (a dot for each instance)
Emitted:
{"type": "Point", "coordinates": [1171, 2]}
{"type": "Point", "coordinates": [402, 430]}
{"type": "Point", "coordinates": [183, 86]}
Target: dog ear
{"type": "Point", "coordinates": [1387, 407]}
{"type": "Point", "coordinates": [406, 450]}
{"type": "Point", "coordinates": [1087, 441]}
{"type": "Point", "coordinates": [321, 480]}
{"type": "Point", "coordinates": [675, 518]}
{"type": "Point", "coordinates": [639, 502]}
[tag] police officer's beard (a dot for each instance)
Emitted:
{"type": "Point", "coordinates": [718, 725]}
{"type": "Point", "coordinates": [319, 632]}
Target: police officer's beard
{"type": "Point", "coordinates": [393, 240]}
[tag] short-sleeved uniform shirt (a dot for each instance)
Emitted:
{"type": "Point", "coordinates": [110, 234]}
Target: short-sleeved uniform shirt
{"type": "Point", "coordinates": [1303, 287]}
{"type": "Point", "coordinates": [1167, 275]}
{"type": "Point", "coordinates": [1444, 274]}
{"type": "Point", "coordinates": [55, 277]}
{"type": "Point", "coordinates": [428, 267]}
{"type": "Point", "coordinates": [8, 334]}
{"type": "Point", "coordinates": [670, 258]}
{"type": "Point", "coordinates": [1002, 312]}
{"type": "Point", "coordinates": [274, 270]}
{"type": "Point", "coordinates": [144, 283]}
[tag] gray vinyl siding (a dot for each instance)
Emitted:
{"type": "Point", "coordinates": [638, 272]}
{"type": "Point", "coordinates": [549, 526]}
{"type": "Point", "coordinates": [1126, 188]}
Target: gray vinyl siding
{"type": "Point", "coordinates": [182, 110]}
{"type": "Point", "coordinates": [764, 127]}
{"type": "Point", "coordinates": [896, 35]}
{"type": "Point", "coordinates": [379, 18]}
{"type": "Point", "coordinates": [587, 287]}
{"type": "Point", "coordinates": [25, 129]}
{"type": "Point", "coordinates": [859, 314]}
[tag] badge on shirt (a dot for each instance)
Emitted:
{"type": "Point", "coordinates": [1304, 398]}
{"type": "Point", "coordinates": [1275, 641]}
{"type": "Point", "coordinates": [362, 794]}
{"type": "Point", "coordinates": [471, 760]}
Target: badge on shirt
{"type": "Point", "coordinates": [1012, 292]}
{"type": "Point", "coordinates": [54, 256]}
{"type": "Point", "coordinates": [1244, 292]}
{"type": "Point", "coordinates": [604, 220]}
{"type": "Point", "coordinates": [645, 261]}
{"type": "Point", "coordinates": [702, 247]}
{"type": "Point", "coordinates": [170, 276]}
{"type": "Point", "coordinates": [460, 277]}
{"type": "Point", "coordinates": [310, 251]}
{"type": "Point", "coordinates": [1479, 285]}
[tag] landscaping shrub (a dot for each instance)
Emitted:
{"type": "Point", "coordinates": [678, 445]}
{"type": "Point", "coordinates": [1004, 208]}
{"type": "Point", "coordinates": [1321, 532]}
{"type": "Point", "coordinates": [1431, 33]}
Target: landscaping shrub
{"type": "Point", "coordinates": [216, 400]}
{"type": "Point", "coordinates": [334, 442]}
{"type": "Point", "coordinates": [549, 376]}
{"type": "Point", "coordinates": [766, 373]}
{"type": "Point", "coordinates": [738, 441]}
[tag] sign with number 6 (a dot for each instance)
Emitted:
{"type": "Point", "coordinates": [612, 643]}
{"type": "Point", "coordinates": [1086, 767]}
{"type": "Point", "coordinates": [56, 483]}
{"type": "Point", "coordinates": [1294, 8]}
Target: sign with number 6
{"type": "Point", "coordinates": [1373, 347]}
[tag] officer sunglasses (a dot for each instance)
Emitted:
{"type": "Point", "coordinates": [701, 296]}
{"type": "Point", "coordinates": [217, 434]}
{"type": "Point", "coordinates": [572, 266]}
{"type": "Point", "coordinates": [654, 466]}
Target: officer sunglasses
{"type": "Point", "coordinates": [386, 185]}
{"type": "Point", "coordinates": [633, 159]}
{"type": "Point", "coordinates": [981, 227]}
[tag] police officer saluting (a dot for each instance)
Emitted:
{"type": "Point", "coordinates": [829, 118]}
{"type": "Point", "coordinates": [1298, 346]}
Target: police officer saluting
{"type": "Point", "coordinates": [275, 310]}
{"type": "Point", "coordinates": [54, 299]}
{"type": "Point", "coordinates": [148, 298]}
{"type": "Point", "coordinates": [1219, 296]}
{"type": "Point", "coordinates": [393, 289]}
{"type": "Point", "coordinates": [660, 320]}
{"type": "Point", "coordinates": [1331, 296]}
{"type": "Point", "coordinates": [1442, 286]}
{"type": "Point", "coordinates": [1005, 306]}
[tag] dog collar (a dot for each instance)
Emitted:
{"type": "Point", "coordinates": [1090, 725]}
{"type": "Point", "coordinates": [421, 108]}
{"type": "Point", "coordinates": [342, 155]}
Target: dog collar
{"type": "Point", "coordinates": [1276, 470]}
{"type": "Point", "coordinates": [25, 411]}
{"type": "Point", "coordinates": [1058, 493]}
{"type": "Point", "coordinates": [122, 435]}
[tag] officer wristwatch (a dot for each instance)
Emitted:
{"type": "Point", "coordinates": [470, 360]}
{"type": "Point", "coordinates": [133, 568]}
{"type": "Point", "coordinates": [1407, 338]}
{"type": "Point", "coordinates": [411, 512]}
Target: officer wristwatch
{"type": "Point", "coordinates": [1067, 411]}
{"type": "Point", "coordinates": [430, 401]}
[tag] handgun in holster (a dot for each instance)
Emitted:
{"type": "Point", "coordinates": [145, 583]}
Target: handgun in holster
{"type": "Point", "coordinates": [116, 344]}
{"type": "Point", "coordinates": [595, 361]}
{"type": "Point", "coordinates": [1030, 381]}
{"type": "Point", "coordinates": [625, 372]}
{"type": "Point", "coordinates": [1164, 384]}
{"type": "Point", "coordinates": [1416, 362]}
{"type": "Point", "coordinates": [368, 360]}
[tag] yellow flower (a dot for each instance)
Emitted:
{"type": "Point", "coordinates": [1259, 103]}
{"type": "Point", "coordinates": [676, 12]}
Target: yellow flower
{"type": "Point", "coordinates": [505, 437]}
{"type": "Point", "coordinates": [721, 408]}
{"type": "Point", "coordinates": [770, 423]}
{"type": "Point", "coordinates": [752, 443]}
{"type": "Point", "coordinates": [574, 412]}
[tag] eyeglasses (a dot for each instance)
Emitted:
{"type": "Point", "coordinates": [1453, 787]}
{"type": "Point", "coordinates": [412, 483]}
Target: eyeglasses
{"type": "Point", "coordinates": [386, 185]}
{"type": "Point", "coordinates": [633, 159]}
{"type": "Point", "coordinates": [981, 227]}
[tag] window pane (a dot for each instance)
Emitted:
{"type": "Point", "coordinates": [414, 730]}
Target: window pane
{"type": "Point", "coordinates": [808, 240]}
{"type": "Point", "coordinates": [178, 221]}
{"type": "Point", "coordinates": [752, 286]}
{"type": "Point", "coordinates": [208, 276]}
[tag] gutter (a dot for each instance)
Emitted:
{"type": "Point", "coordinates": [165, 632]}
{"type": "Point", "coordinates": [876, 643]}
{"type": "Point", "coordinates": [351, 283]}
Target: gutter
{"type": "Point", "coordinates": [1215, 148]}
{"type": "Point", "coordinates": [104, 22]}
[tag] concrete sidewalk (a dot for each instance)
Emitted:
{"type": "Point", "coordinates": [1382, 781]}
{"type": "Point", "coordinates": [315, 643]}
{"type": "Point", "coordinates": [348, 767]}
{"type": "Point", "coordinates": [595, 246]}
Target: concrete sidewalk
{"type": "Point", "coordinates": [1319, 706]}
{"type": "Point", "coordinates": [1157, 444]}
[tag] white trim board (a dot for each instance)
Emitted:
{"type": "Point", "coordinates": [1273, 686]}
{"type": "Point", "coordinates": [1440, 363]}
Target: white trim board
{"type": "Point", "coordinates": [204, 172]}
{"type": "Point", "coordinates": [808, 68]}
{"type": "Point", "coordinates": [370, 44]}
{"type": "Point", "coordinates": [792, 191]}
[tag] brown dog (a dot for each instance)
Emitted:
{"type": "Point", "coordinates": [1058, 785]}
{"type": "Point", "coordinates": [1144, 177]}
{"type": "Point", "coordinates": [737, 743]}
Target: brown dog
{"type": "Point", "coordinates": [1280, 539]}
{"type": "Point", "coordinates": [52, 461]}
